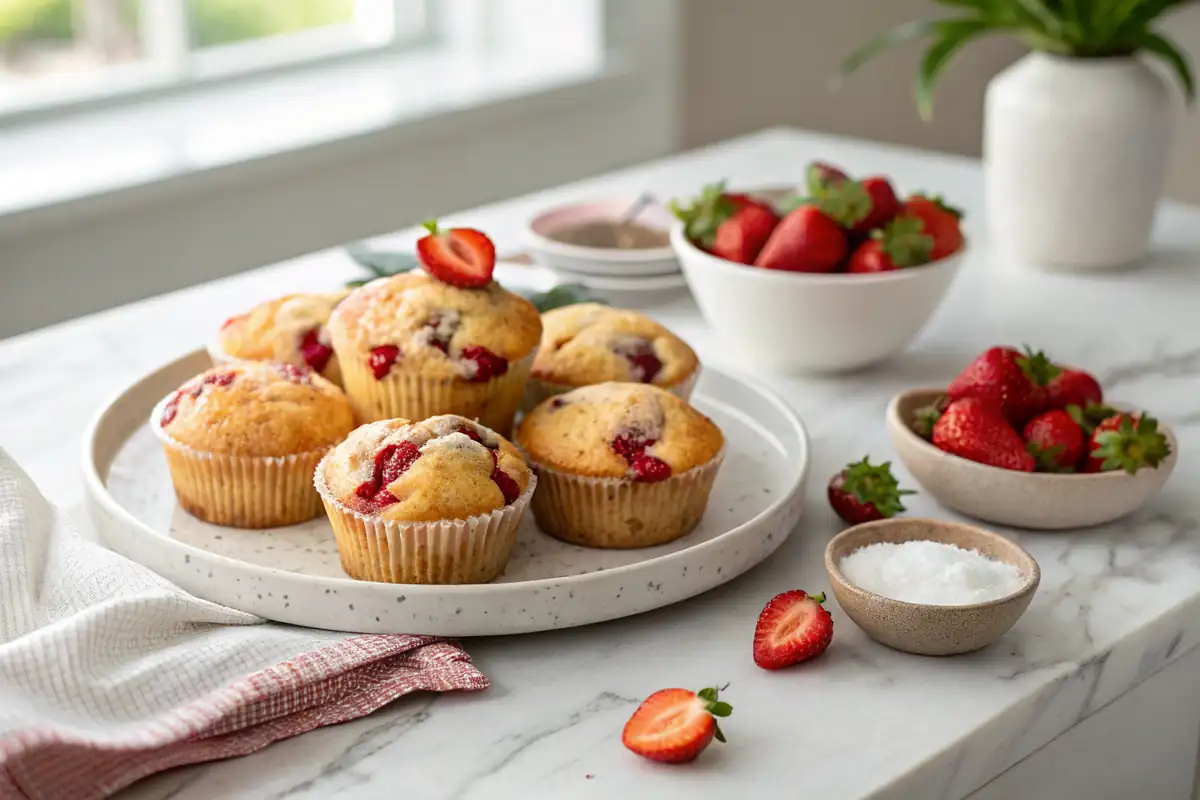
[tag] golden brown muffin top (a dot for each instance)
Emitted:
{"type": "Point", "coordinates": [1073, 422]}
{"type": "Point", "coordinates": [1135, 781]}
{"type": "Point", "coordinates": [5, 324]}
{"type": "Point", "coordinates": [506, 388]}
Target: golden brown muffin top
{"type": "Point", "coordinates": [446, 467]}
{"type": "Point", "coordinates": [619, 430]}
{"type": "Point", "coordinates": [413, 323]}
{"type": "Point", "coordinates": [291, 329]}
{"type": "Point", "coordinates": [590, 343]}
{"type": "Point", "coordinates": [257, 408]}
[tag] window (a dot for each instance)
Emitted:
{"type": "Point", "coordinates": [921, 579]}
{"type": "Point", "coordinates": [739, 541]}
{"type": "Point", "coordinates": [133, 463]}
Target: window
{"type": "Point", "coordinates": [57, 52]}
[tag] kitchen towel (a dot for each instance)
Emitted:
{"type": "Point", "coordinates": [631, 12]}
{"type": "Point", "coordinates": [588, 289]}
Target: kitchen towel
{"type": "Point", "coordinates": [109, 673]}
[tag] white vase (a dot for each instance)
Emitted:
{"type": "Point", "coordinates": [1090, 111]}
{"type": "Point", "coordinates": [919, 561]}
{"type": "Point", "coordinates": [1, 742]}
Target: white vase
{"type": "Point", "coordinates": [1075, 153]}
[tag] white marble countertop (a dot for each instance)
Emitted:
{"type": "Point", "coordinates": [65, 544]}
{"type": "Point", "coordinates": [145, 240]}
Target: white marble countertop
{"type": "Point", "coordinates": [1116, 604]}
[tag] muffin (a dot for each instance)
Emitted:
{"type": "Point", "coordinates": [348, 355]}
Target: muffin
{"type": "Point", "coordinates": [412, 347]}
{"type": "Point", "coordinates": [620, 464]}
{"type": "Point", "coordinates": [437, 501]}
{"type": "Point", "coordinates": [243, 438]}
{"type": "Point", "coordinates": [291, 330]}
{"type": "Point", "coordinates": [591, 343]}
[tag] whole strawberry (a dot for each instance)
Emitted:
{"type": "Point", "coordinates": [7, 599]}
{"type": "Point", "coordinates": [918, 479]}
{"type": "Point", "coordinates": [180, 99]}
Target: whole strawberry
{"type": "Point", "coordinates": [793, 627]}
{"type": "Point", "coordinates": [900, 244]}
{"type": "Point", "coordinates": [806, 240]}
{"type": "Point", "coordinates": [1015, 381]}
{"type": "Point", "coordinates": [940, 221]}
{"type": "Point", "coordinates": [884, 207]}
{"type": "Point", "coordinates": [863, 492]}
{"type": "Point", "coordinates": [819, 175]}
{"type": "Point", "coordinates": [675, 725]}
{"type": "Point", "coordinates": [1074, 387]}
{"type": "Point", "coordinates": [1126, 442]}
{"type": "Point", "coordinates": [975, 429]}
{"type": "Point", "coordinates": [741, 237]}
{"type": "Point", "coordinates": [703, 215]}
{"type": "Point", "coordinates": [1055, 440]}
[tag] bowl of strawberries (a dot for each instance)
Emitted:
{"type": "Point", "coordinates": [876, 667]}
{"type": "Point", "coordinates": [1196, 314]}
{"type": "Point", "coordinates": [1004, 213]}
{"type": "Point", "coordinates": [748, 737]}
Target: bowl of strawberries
{"type": "Point", "coordinates": [833, 277]}
{"type": "Point", "coordinates": [1018, 440]}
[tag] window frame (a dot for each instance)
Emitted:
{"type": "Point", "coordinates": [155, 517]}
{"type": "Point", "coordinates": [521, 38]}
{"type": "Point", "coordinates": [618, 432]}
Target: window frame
{"type": "Point", "coordinates": [173, 69]}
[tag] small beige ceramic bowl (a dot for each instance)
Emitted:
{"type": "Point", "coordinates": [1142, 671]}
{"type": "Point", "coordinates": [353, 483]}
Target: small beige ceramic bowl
{"type": "Point", "coordinates": [1038, 501]}
{"type": "Point", "coordinates": [929, 630]}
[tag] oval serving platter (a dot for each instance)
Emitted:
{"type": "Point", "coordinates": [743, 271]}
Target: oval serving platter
{"type": "Point", "coordinates": [293, 574]}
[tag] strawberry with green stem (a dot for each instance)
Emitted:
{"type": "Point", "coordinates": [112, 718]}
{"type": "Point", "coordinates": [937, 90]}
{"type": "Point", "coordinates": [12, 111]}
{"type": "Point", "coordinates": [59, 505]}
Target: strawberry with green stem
{"type": "Point", "coordinates": [941, 221]}
{"type": "Point", "coordinates": [864, 492]}
{"type": "Point", "coordinates": [1126, 442]}
{"type": "Point", "coordinates": [675, 725]}
{"type": "Point", "coordinates": [1015, 381]}
{"type": "Point", "coordinates": [974, 428]}
{"type": "Point", "coordinates": [902, 243]}
{"type": "Point", "coordinates": [1055, 440]}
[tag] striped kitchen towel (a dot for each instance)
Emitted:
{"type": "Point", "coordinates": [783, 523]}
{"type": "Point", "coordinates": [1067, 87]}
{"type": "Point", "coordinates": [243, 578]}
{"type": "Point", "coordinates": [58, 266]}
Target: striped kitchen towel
{"type": "Point", "coordinates": [109, 673]}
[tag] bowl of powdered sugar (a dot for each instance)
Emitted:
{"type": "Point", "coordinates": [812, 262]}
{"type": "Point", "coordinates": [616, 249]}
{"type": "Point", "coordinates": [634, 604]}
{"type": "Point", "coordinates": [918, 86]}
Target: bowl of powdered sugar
{"type": "Point", "coordinates": [929, 586]}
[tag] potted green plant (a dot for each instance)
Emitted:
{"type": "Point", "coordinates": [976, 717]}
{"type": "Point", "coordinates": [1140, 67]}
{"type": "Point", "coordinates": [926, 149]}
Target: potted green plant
{"type": "Point", "coordinates": [1077, 132]}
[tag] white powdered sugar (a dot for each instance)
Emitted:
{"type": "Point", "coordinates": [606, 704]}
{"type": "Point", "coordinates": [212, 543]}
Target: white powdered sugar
{"type": "Point", "coordinates": [931, 573]}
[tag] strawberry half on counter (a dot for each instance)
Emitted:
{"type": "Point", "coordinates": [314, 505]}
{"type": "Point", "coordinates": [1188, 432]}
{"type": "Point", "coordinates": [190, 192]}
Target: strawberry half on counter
{"type": "Point", "coordinates": [793, 627]}
{"type": "Point", "coordinates": [902, 243]}
{"type": "Point", "coordinates": [462, 257]}
{"type": "Point", "coordinates": [865, 492]}
{"type": "Point", "coordinates": [675, 725]}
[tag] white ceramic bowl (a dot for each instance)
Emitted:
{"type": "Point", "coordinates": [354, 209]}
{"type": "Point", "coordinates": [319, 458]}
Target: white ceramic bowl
{"type": "Point", "coordinates": [1033, 500]}
{"type": "Point", "coordinates": [596, 260]}
{"type": "Point", "coordinates": [803, 322]}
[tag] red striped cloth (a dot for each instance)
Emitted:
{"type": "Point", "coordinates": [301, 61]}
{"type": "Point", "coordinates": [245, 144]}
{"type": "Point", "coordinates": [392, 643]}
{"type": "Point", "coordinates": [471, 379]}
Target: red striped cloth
{"type": "Point", "coordinates": [337, 683]}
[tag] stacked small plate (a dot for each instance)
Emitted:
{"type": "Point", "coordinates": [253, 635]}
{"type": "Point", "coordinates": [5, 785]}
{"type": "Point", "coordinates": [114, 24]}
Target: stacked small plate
{"type": "Point", "coordinates": [622, 257]}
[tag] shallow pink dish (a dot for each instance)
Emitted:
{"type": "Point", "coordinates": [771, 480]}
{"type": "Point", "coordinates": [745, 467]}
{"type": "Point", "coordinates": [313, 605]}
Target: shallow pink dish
{"type": "Point", "coordinates": [582, 260]}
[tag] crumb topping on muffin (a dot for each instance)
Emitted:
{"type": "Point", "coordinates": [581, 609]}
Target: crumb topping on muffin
{"type": "Point", "coordinates": [253, 408]}
{"type": "Point", "coordinates": [591, 343]}
{"type": "Point", "coordinates": [291, 329]}
{"type": "Point", "coordinates": [446, 467]}
{"type": "Point", "coordinates": [619, 430]}
{"type": "Point", "coordinates": [412, 322]}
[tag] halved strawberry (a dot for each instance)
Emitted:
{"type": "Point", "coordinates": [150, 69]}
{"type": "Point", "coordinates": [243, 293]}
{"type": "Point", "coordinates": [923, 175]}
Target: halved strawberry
{"type": "Point", "coordinates": [462, 257]}
{"type": "Point", "coordinates": [793, 627]}
{"type": "Point", "coordinates": [675, 725]}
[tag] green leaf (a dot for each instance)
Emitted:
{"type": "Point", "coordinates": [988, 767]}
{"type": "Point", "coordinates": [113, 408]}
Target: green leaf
{"type": "Point", "coordinates": [907, 32]}
{"type": "Point", "coordinates": [720, 709]}
{"type": "Point", "coordinates": [565, 294]}
{"type": "Point", "coordinates": [1038, 11]}
{"type": "Point", "coordinates": [952, 36]}
{"type": "Point", "coordinates": [382, 264]}
{"type": "Point", "coordinates": [708, 695]}
{"type": "Point", "coordinates": [718, 734]}
{"type": "Point", "coordinates": [1167, 50]}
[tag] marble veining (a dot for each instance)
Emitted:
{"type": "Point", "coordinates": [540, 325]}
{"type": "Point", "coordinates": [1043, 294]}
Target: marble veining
{"type": "Point", "coordinates": [1117, 603]}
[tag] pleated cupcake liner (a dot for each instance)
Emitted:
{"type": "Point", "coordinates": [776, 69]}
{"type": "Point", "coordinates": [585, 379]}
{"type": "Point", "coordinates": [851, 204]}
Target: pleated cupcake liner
{"type": "Point", "coordinates": [493, 403]}
{"type": "Point", "coordinates": [241, 491]}
{"type": "Point", "coordinates": [621, 513]}
{"type": "Point", "coordinates": [537, 391]}
{"type": "Point", "coordinates": [452, 551]}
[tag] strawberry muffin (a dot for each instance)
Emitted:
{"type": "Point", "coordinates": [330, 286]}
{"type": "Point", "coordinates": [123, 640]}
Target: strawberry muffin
{"type": "Point", "coordinates": [291, 330]}
{"type": "Point", "coordinates": [243, 438]}
{"type": "Point", "coordinates": [620, 464]}
{"type": "Point", "coordinates": [591, 343]}
{"type": "Point", "coordinates": [437, 501]}
{"type": "Point", "coordinates": [412, 347]}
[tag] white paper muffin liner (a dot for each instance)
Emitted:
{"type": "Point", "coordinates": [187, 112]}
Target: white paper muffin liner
{"type": "Point", "coordinates": [536, 391]}
{"type": "Point", "coordinates": [411, 396]}
{"type": "Point", "coordinates": [241, 491]}
{"type": "Point", "coordinates": [621, 513]}
{"type": "Point", "coordinates": [451, 551]}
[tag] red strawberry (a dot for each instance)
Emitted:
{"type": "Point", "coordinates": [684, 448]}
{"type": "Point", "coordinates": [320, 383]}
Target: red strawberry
{"type": "Point", "coordinates": [793, 627]}
{"type": "Point", "coordinates": [461, 257]}
{"type": "Point", "coordinates": [381, 359]}
{"type": "Point", "coordinates": [884, 206]}
{"type": "Point", "coordinates": [806, 240]}
{"type": "Point", "coordinates": [315, 352]}
{"type": "Point", "coordinates": [1074, 387]}
{"type": "Point", "coordinates": [487, 364]}
{"type": "Point", "coordinates": [740, 200]}
{"type": "Point", "coordinates": [507, 484]}
{"type": "Point", "coordinates": [1055, 440]}
{"type": "Point", "coordinates": [675, 725]}
{"type": "Point", "coordinates": [975, 429]}
{"type": "Point", "coordinates": [648, 469]}
{"type": "Point", "coordinates": [941, 222]}
{"type": "Point", "coordinates": [742, 236]}
{"type": "Point", "coordinates": [1015, 381]}
{"type": "Point", "coordinates": [900, 244]}
{"type": "Point", "coordinates": [819, 175]}
{"type": "Point", "coordinates": [703, 216]}
{"type": "Point", "coordinates": [1126, 442]}
{"type": "Point", "coordinates": [390, 463]}
{"type": "Point", "coordinates": [863, 492]}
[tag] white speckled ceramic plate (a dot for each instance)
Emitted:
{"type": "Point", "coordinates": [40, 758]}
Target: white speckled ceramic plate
{"type": "Point", "coordinates": [293, 574]}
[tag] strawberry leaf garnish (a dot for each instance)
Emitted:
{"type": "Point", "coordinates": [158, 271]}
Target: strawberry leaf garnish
{"type": "Point", "coordinates": [715, 707]}
{"type": "Point", "coordinates": [1090, 416]}
{"type": "Point", "coordinates": [874, 484]}
{"type": "Point", "coordinates": [1136, 443]}
{"type": "Point", "coordinates": [1037, 368]}
{"type": "Point", "coordinates": [905, 242]}
{"type": "Point", "coordinates": [845, 202]}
